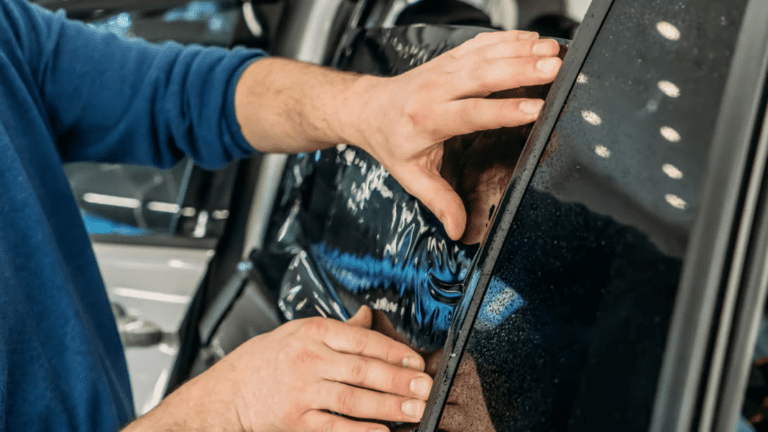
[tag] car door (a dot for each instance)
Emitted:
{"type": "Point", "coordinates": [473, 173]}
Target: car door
{"type": "Point", "coordinates": [604, 295]}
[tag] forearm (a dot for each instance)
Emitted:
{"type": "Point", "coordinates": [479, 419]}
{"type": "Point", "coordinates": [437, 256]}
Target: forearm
{"type": "Point", "coordinates": [285, 106]}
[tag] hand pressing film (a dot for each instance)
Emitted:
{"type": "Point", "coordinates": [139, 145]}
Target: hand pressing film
{"type": "Point", "coordinates": [407, 118]}
{"type": "Point", "coordinates": [466, 408]}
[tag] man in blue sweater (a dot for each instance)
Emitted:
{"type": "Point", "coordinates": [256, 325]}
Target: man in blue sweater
{"type": "Point", "coordinates": [68, 93]}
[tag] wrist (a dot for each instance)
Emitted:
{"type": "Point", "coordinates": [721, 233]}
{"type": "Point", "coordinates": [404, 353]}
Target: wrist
{"type": "Point", "coordinates": [354, 112]}
{"type": "Point", "coordinates": [203, 404]}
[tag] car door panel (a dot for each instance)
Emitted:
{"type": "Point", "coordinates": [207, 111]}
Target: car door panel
{"type": "Point", "coordinates": [595, 251]}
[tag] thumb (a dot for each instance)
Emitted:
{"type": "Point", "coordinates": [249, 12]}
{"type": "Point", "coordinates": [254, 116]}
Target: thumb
{"type": "Point", "coordinates": [363, 318]}
{"type": "Point", "coordinates": [439, 197]}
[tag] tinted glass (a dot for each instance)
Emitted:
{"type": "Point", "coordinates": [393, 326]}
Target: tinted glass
{"type": "Point", "coordinates": [127, 199]}
{"type": "Point", "coordinates": [572, 328]}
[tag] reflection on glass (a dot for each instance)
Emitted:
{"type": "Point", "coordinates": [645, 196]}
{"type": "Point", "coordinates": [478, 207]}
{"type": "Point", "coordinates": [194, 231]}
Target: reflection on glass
{"type": "Point", "coordinates": [675, 201]}
{"type": "Point", "coordinates": [163, 207]}
{"type": "Point", "coordinates": [591, 117]}
{"type": "Point", "coordinates": [668, 30]}
{"type": "Point", "coordinates": [111, 200]}
{"type": "Point", "coordinates": [672, 171]}
{"type": "Point", "coordinates": [669, 88]}
{"type": "Point", "coordinates": [602, 151]}
{"type": "Point", "coordinates": [582, 79]}
{"type": "Point", "coordinates": [669, 134]}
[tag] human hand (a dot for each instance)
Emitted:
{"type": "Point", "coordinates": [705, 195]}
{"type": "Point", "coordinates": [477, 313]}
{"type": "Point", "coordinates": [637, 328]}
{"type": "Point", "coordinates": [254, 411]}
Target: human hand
{"type": "Point", "coordinates": [465, 409]}
{"type": "Point", "coordinates": [292, 378]}
{"type": "Point", "coordinates": [402, 121]}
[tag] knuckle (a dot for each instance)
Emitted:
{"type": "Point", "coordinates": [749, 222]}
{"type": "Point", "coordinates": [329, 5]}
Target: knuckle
{"type": "Point", "coordinates": [329, 425]}
{"type": "Point", "coordinates": [359, 342]}
{"type": "Point", "coordinates": [313, 327]}
{"type": "Point", "coordinates": [359, 372]}
{"type": "Point", "coordinates": [394, 380]}
{"type": "Point", "coordinates": [345, 400]}
{"type": "Point", "coordinates": [469, 109]}
{"type": "Point", "coordinates": [479, 75]}
{"type": "Point", "coordinates": [290, 419]}
{"type": "Point", "coordinates": [484, 37]}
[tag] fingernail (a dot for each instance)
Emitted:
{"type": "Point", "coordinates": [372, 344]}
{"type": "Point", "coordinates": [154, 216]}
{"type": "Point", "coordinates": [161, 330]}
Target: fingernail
{"type": "Point", "coordinates": [527, 36]}
{"type": "Point", "coordinates": [420, 387]}
{"type": "Point", "coordinates": [542, 48]}
{"type": "Point", "coordinates": [547, 65]}
{"type": "Point", "coordinates": [532, 106]}
{"type": "Point", "coordinates": [412, 363]}
{"type": "Point", "coordinates": [412, 409]}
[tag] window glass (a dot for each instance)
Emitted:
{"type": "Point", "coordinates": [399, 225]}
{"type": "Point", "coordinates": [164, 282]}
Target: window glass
{"type": "Point", "coordinates": [128, 199]}
{"type": "Point", "coordinates": [571, 331]}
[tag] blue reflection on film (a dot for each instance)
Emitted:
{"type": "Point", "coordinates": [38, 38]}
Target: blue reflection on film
{"type": "Point", "coordinates": [361, 274]}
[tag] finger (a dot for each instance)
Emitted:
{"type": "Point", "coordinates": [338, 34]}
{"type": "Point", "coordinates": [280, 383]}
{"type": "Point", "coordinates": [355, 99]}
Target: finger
{"type": "Point", "coordinates": [476, 114]}
{"type": "Point", "coordinates": [318, 421]}
{"type": "Point", "coordinates": [363, 403]}
{"type": "Point", "coordinates": [377, 375]}
{"type": "Point", "coordinates": [540, 48]}
{"type": "Point", "coordinates": [348, 339]}
{"type": "Point", "coordinates": [439, 197]}
{"type": "Point", "coordinates": [486, 77]}
{"type": "Point", "coordinates": [488, 38]}
{"type": "Point", "coordinates": [363, 318]}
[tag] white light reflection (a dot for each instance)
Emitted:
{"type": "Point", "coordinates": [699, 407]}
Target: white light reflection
{"type": "Point", "coordinates": [591, 117]}
{"type": "Point", "coordinates": [669, 88]}
{"type": "Point", "coordinates": [602, 151]}
{"type": "Point", "coordinates": [676, 202]}
{"type": "Point", "coordinates": [582, 79]}
{"type": "Point", "coordinates": [672, 171]}
{"type": "Point", "coordinates": [668, 30]}
{"type": "Point", "coordinates": [150, 295]}
{"type": "Point", "coordinates": [111, 200]}
{"type": "Point", "coordinates": [669, 134]}
{"type": "Point", "coordinates": [163, 207]}
{"type": "Point", "coordinates": [179, 264]}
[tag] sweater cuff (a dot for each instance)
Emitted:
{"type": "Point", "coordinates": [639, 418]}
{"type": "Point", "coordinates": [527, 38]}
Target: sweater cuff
{"type": "Point", "coordinates": [231, 117]}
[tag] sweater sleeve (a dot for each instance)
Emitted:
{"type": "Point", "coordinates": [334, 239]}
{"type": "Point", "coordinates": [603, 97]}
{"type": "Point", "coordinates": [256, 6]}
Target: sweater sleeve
{"type": "Point", "coordinates": [111, 99]}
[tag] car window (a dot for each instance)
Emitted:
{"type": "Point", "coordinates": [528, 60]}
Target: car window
{"type": "Point", "coordinates": [141, 202]}
{"type": "Point", "coordinates": [127, 199]}
{"type": "Point", "coordinates": [572, 328]}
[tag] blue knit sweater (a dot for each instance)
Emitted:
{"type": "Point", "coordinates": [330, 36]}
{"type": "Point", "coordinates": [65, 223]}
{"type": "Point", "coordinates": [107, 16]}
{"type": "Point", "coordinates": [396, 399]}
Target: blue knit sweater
{"type": "Point", "coordinates": [70, 93]}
